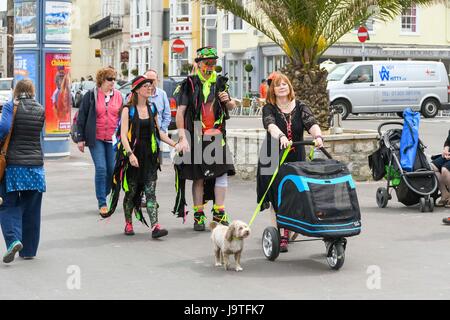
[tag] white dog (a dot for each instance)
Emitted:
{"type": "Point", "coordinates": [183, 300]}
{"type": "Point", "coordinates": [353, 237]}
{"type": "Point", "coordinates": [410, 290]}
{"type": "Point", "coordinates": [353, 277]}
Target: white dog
{"type": "Point", "coordinates": [229, 240]}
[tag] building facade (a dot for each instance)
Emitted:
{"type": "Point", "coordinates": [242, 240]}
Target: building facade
{"type": "Point", "coordinates": [112, 28]}
{"type": "Point", "coordinates": [140, 36]}
{"type": "Point", "coordinates": [84, 62]}
{"type": "Point", "coordinates": [195, 24]}
{"type": "Point", "coordinates": [181, 28]}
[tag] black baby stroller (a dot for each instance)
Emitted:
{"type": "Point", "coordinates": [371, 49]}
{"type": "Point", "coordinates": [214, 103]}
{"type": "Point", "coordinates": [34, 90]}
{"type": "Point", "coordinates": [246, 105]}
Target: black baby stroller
{"type": "Point", "coordinates": [419, 186]}
{"type": "Point", "coordinates": [315, 199]}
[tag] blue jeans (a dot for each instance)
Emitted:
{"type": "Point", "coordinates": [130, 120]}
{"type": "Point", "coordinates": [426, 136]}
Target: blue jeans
{"type": "Point", "coordinates": [103, 156]}
{"type": "Point", "coordinates": [20, 216]}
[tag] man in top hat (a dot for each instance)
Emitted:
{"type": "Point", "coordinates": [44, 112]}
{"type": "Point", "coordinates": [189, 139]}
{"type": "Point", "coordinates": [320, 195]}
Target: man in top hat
{"type": "Point", "coordinates": [202, 112]}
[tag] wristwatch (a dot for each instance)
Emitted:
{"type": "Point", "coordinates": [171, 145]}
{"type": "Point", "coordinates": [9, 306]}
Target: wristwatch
{"type": "Point", "coordinates": [129, 153]}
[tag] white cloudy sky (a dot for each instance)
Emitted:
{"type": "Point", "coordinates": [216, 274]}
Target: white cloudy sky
{"type": "Point", "coordinates": [3, 5]}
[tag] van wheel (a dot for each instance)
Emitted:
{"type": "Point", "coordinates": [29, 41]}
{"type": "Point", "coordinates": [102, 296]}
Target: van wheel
{"type": "Point", "coordinates": [343, 107]}
{"type": "Point", "coordinates": [430, 108]}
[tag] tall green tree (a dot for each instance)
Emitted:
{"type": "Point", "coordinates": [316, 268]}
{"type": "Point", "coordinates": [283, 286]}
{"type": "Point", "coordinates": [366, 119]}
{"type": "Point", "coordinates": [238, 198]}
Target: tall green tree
{"type": "Point", "coordinates": [305, 29]}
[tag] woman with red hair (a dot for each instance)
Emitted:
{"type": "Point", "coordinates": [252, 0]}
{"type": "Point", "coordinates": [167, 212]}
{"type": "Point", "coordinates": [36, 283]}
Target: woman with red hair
{"type": "Point", "coordinates": [285, 120]}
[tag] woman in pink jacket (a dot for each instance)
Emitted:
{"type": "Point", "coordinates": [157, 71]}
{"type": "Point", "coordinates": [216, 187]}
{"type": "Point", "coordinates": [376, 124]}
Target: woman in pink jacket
{"type": "Point", "coordinates": [97, 120]}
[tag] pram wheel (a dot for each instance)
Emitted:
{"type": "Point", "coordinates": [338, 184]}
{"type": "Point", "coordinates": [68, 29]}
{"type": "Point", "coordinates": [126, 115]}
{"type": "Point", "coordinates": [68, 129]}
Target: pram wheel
{"type": "Point", "coordinates": [271, 243]}
{"type": "Point", "coordinates": [426, 205]}
{"type": "Point", "coordinates": [336, 255]}
{"type": "Point", "coordinates": [382, 197]}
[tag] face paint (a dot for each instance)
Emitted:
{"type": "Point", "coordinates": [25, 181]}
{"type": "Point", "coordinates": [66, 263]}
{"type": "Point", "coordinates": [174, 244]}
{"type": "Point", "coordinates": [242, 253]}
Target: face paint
{"type": "Point", "coordinates": [208, 67]}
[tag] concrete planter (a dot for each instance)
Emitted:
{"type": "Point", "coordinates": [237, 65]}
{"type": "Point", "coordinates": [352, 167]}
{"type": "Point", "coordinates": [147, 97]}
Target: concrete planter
{"type": "Point", "coordinates": [351, 147]}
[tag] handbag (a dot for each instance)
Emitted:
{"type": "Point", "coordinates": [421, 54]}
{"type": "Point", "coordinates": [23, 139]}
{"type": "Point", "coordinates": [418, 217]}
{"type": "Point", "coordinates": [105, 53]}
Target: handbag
{"type": "Point", "coordinates": [5, 145]}
{"type": "Point", "coordinates": [74, 128]}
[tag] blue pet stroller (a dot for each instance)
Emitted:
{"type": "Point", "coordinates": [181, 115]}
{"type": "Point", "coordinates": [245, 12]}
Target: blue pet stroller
{"type": "Point", "coordinates": [316, 199]}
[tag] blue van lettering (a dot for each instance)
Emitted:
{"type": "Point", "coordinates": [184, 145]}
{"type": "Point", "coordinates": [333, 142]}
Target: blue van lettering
{"type": "Point", "coordinates": [384, 74]}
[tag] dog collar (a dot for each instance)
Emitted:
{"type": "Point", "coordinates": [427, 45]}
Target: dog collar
{"type": "Point", "coordinates": [236, 238]}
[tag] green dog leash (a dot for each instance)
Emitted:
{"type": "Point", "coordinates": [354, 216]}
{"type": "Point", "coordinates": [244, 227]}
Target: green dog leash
{"type": "Point", "coordinates": [258, 208]}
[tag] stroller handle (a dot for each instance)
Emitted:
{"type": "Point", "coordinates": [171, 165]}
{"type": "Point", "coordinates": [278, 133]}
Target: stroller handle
{"type": "Point", "coordinates": [303, 143]}
{"type": "Point", "coordinates": [310, 143]}
{"type": "Point", "coordinates": [387, 124]}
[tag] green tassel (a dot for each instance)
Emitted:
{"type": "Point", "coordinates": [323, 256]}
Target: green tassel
{"type": "Point", "coordinates": [154, 144]}
{"type": "Point", "coordinates": [125, 183]}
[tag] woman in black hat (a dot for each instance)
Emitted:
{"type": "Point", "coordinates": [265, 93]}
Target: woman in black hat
{"type": "Point", "coordinates": [137, 160]}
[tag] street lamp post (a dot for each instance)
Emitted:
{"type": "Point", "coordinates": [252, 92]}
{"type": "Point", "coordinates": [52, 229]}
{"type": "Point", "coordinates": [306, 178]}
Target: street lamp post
{"type": "Point", "coordinates": [10, 38]}
{"type": "Point", "coordinates": [157, 37]}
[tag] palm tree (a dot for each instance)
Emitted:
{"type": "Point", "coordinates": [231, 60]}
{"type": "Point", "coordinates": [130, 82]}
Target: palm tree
{"type": "Point", "coordinates": [305, 29]}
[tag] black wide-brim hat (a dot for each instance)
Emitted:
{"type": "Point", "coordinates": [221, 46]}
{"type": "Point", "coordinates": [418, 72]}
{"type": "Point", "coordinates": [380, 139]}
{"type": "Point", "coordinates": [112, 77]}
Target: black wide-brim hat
{"type": "Point", "coordinates": [138, 82]}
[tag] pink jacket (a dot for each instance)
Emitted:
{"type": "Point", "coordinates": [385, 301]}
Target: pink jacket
{"type": "Point", "coordinates": [107, 115]}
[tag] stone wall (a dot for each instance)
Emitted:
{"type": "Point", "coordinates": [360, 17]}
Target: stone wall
{"type": "Point", "coordinates": [351, 147]}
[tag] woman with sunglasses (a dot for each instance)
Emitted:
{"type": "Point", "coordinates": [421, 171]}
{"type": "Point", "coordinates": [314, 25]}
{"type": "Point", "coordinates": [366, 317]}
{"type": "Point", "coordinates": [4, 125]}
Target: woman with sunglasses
{"type": "Point", "coordinates": [97, 120]}
{"type": "Point", "coordinates": [137, 159]}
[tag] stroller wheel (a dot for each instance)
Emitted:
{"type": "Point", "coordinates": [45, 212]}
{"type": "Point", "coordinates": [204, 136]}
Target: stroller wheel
{"type": "Point", "coordinates": [271, 243]}
{"type": "Point", "coordinates": [426, 205]}
{"type": "Point", "coordinates": [382, 197]}
{"type": "Point", "coordinates": [431, 204]}
{"type": "Point", "coordinates": [422, 205]}
{"type": "Point", "coordinates": [336, 255]}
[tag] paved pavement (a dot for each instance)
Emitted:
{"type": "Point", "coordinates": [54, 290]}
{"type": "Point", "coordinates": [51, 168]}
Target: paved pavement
{"type": "Point", "coordinates": [401, 253]}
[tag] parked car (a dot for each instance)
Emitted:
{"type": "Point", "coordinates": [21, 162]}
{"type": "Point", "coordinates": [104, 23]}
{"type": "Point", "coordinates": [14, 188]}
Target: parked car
{"type": "Point", "coordinates": [6, 85]}
{"type": "Point", "coordinates": [389, 86]}
{"type": "Point", "coordinates": [169, 86]}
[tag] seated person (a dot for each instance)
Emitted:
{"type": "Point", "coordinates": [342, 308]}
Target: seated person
{"type": "Point", "coordinates": [441, 166]}
{"type": "Point", "coordinates": [364, 78]}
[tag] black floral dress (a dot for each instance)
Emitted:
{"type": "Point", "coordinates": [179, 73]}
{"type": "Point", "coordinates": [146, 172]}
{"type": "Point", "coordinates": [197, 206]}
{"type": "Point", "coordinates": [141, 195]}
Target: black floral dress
{"type": "Point", "coordinates": [293, 126]}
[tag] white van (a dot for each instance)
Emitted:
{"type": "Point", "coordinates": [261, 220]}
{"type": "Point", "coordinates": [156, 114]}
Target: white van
{"type": "Point", "coordinates": [389, 86]}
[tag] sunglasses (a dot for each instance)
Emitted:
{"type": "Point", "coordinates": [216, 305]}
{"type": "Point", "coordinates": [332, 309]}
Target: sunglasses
{"type": "Point", "coordinates": [111, 79]}
{"type": "Point", "coordinates": [210, 63]}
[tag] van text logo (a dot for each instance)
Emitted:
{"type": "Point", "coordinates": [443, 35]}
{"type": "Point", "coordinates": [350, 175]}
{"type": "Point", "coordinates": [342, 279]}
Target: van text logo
{"type": "Point", "coordinates": [384, 74]}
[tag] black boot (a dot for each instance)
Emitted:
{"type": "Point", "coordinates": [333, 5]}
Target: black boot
{"type": "Point", "coordinates": [220, 217]}
{"type": "Point", "coordinates": [199, 221]}
{"type": "Point", "coordinates": [159, 232]}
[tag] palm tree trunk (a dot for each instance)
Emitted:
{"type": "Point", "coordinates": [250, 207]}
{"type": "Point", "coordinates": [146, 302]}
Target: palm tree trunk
{"type": "Point", "coordinates": [310, 86]}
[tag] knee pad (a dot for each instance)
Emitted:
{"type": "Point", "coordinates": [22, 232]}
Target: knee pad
{"type": "Point", "coordinates": [222, 181]}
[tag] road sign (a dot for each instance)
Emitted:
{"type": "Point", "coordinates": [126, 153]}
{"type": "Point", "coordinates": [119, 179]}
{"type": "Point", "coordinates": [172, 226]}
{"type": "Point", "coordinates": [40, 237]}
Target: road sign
{"type": "Point", "coordinates": [178, 46]}
{"type": "Point", "coordinates": [363, 34]}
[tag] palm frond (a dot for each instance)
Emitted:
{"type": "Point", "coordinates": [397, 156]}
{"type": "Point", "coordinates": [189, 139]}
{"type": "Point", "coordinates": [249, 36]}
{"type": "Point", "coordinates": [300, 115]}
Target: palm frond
{"type": "Point", "coordinates": [305, 29]}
